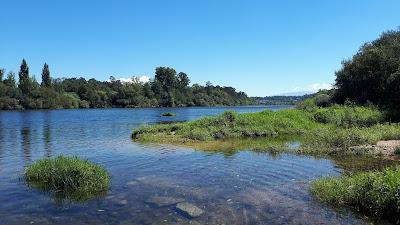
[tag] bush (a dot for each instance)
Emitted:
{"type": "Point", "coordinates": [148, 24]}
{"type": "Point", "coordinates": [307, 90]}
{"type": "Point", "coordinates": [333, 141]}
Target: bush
{"type": "Point", "coordinates": [323, 100]}
{"type": "Point", "coordinates": [374, 193]}
{"type": "Point", "coordinates": [68, 177]}
{"type": "Point", "coordinates": [349, 116]}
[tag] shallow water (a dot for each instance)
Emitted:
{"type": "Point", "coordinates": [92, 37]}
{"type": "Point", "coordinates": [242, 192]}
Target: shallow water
{"type": "Point", "coordinates": [243, 188]}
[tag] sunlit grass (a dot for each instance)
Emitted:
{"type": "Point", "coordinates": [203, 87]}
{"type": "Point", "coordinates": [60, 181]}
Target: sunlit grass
{"type": "Point", "coordinates": [329, 130]}
{"type": "Point", "coordinates": [68, 177]}
{"type": "Point", "coordinates": [373, 193]}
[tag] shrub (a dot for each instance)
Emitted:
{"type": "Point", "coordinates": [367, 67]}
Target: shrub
{"type": "Point", "coordinates": [323, 100]}
{"type": "Point", "coordinates": [374, 193]}
{"type": "Point", "coordinates": [68, 177]}
{"type": "Point", "coordinates": [349, 116]}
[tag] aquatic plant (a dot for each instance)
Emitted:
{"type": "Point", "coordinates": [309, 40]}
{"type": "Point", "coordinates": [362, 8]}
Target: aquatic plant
{"type": "Point", "coordinates": [68, 177]}
{"type": "Point", "coordinates": [373, 193]}
{"type": "Point", "coordinates": [168, 114]}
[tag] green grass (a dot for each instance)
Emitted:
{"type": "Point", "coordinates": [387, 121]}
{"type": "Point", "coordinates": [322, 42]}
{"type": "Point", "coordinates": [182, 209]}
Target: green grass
{"type": "Point", "coordinates": [372, 193]}
{"type": "Point", "coordinates": [231, 125]}
{"type": "Point", "coordinates": [168, 114]}
{"type": "Point", "coordinates": [330, 130]}
{"type": "Point", "coordinates": [349, 116]}
{"type": "Point", "coordinates": [68, 177]}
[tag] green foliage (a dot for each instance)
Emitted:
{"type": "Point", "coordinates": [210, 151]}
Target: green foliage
{"type": "Point", "coordinates": [232, 125]}
{"type": "Point", "coordinates": [25, 84]}
{"type": "Point", "coordinates": [166, 90]}
{"type": "Point", "coordinates": [349, 116]}
{"type": "Point", "coordinates": [46, 79]}
{"type": "Point", "coordinates": [323, 131]}
{"type": "Point", "coordinates": [281, 100]}
{"type": "Point", "coordinates": [373, 74]}
{"type": "Point", "coordinates": [2, 71]}
{"type": "Point", "coordinates": [336, 138]}
{"type": "Point", "coordinates": [374, 193]}
{"type": "Point", "coordinates": [323, 98]}
{"type": "Point", "coordinates": [68, 177]}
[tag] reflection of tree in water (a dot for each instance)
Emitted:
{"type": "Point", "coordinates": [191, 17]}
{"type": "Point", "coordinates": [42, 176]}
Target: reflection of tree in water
{"type": "Point", "coordinates": [47, 133]}
{"type": "Point", "coordinates": [26, 142]}
{"type": "Point", "coordinates": [47, 140]}
{"type": "Point", "coordinates": [2, 140]}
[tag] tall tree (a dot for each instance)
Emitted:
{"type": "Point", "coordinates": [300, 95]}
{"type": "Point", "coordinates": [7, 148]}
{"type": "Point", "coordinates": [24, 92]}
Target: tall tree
{"type": "Point", "coordinates": [46, 79]}
{"type": "Point", "coordinates": [183, 80]}
{"type": "Point", "coordinates": [10, 80]}
{"type": "Point", "coordinates": [24, 83]}
{"type": "Point", "coordinates": [1, 75]}
{"type": "Point", "coordinates": [372, 75]}
{"type": "Point", "coordinates": [167, 77]}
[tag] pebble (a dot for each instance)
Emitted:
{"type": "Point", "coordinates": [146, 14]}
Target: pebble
{"type": "Point", "coordinates": [189, 209]}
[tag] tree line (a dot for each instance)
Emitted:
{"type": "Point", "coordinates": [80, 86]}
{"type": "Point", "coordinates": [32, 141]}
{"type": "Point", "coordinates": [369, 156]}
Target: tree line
{"type": "Point", "coordinates": [167, 89]}
{"type": "Point", "coordinates": [372, 75]}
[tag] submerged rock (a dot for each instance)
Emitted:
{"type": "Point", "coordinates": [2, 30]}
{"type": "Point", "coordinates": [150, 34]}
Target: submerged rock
{"type": "Point", "coordinates": [189, 209]}
{"type": "Point", "coordinates": [163, 201]}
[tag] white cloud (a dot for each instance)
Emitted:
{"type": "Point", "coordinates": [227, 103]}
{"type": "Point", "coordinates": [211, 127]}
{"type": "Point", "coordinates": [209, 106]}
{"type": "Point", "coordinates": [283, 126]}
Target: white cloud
{"type": "Point", "coordinates": [313, 87]}
{"type": "Point", "coordinates": [141, 79]}
{"type": "Point", "coordinates": [319, 86]}
{"type": "Point", "coordinates": [144, 79]}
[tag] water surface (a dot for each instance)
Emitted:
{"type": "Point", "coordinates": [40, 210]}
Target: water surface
{"type": "Point", "coordinates": [243, 188]}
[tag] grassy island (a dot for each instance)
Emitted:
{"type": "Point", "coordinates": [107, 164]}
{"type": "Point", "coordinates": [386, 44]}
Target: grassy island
{"type": "Point", "coordinates": [68, 177]}
{"type": "Point", "coordinates": [168, 114]}
{"type": "Point", "coordinates": [338, 128]}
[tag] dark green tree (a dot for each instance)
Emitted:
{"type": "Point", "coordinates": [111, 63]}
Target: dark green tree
{"type": "Point", "coordinates": [183, 80]}
{"type": "Point", "coordinates": [10, 80]}
{"type": "Point", "coordinates": [24, 82]}
{"type": "Point", "coordinates": [167, 77]}
{"type": "Point", "coordinates": [2, 75]}
{"type": "Point", "coordinates": [373, 73]}
{"type": "Point", "coordinates": [46, 79]}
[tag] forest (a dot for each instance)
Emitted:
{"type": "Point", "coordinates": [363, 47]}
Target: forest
{"type": "Point", "coordinates": [167, 89]}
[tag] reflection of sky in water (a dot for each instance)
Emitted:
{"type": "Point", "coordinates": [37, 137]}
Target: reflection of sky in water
{"type": "Point", "coordinates": [245, 188]}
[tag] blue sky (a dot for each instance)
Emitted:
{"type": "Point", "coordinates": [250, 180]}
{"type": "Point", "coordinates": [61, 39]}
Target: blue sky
{"type": "Point", "coordinates": [260, 47]}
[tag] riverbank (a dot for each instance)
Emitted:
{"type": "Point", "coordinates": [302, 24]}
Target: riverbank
{"type": "Point", "coordinates": [332, 130]}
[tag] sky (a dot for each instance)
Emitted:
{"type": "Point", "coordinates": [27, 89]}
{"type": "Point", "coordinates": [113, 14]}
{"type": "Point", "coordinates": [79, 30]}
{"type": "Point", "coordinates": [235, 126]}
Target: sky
{"type": "Point", "coordinates": [259, 47]}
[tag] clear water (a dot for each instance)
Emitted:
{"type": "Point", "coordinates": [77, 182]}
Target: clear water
{"type": "Point", "coordinates": [245, 188]}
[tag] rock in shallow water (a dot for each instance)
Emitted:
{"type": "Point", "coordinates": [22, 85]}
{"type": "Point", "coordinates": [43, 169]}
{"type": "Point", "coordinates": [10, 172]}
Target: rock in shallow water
{"type": "Point", "coordinates": [189, 209]}
{"type": "Point", "coordinates": [163, 201]}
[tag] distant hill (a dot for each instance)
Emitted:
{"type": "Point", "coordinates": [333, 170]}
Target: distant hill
{"type": "Point", "coordinates": [281, 99]}
{"type": "Point", "coordinates": [298, 93]}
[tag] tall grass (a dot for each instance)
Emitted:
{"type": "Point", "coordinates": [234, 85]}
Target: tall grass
{"type": "Point", "coordinates": [349, 116]}
{"type": "Point", "coordinates": [323, 130]}
{"type": "Point", "coordinates": [374, 193]}
{"type": "Point", "coordinates": [233, 125]}
{"type": "Point", "coordinates": [68, 177]}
